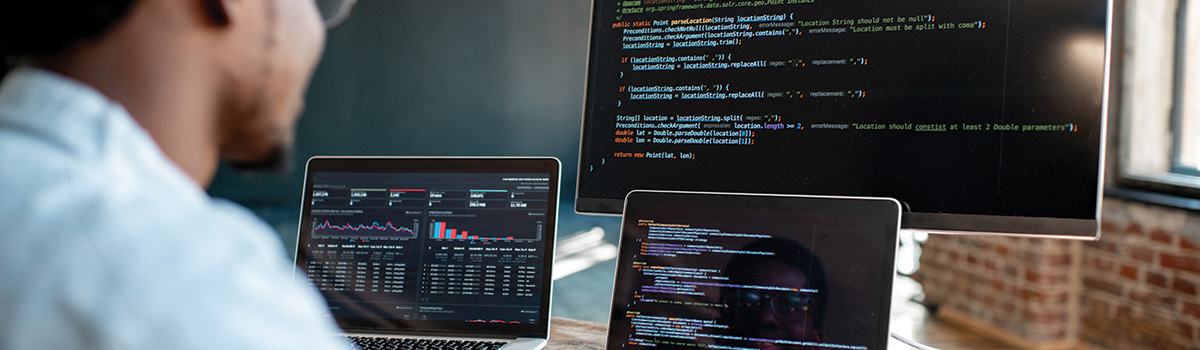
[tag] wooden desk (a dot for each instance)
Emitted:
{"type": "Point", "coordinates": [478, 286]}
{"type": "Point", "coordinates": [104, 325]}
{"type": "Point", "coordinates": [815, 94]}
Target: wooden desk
{"type": "Point", "coordinates": [567, 333]}
{"type": "Point", "coordinates": [572, 334]}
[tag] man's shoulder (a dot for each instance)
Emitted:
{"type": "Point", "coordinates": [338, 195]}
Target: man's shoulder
{"type": "Point", "coordinates": [114, 197]}
{"type": "Point", "coordinates": [124, 256]}
{"type": "Point", "coordinates": [27, 158]}
{"type": "Point", "coordinates": [120, 202]}
{"type": "Point", "coordinates": [44, 184]}
{"type": "Point", "coordinates": [55, 209]}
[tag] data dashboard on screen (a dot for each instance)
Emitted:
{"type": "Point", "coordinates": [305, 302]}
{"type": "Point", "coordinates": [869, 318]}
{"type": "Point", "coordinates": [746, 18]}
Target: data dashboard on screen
{"type": "Point", "coordinates": [436, 248]}
{"type": "Point", "coordinates": [980, 116]}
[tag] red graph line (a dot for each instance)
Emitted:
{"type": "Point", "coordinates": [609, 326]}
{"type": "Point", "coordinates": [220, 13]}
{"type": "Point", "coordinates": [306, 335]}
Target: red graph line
{"type": "Point", "coordinates": [493, 321]}
{"type": "Point", "coordinates": [373, 226]}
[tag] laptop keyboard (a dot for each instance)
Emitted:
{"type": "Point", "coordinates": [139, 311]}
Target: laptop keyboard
{"type": "Point", "coordinates": [382, 343]}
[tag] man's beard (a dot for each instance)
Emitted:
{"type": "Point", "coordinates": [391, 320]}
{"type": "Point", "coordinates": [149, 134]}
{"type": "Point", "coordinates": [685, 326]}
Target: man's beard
{"type": "Point", "coordinates": [278, 160]}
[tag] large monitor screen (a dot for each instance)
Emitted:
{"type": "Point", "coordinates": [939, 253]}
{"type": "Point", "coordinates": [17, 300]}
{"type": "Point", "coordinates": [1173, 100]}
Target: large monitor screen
{"type": "Point", "coordinates": [982, 116]}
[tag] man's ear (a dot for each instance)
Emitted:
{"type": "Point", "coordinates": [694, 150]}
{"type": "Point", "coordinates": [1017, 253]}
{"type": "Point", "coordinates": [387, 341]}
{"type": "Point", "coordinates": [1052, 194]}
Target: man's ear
{"type": "Point", "coordinates": [216, 11]}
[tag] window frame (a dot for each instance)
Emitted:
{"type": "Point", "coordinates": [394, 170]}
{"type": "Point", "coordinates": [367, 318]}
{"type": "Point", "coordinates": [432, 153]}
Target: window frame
{"type": "Point", "coordinates": [1179, 185]}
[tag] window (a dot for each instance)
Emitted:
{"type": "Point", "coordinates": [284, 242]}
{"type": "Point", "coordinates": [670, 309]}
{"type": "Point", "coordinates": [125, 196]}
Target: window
{"type": "Point", "coordinates": [1187, 95]}
{"type": "Point", "coordinates": [1159, 94]}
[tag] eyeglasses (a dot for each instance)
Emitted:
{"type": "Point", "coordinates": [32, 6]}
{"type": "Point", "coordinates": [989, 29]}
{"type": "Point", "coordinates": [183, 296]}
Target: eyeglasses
{"type": "Point", "coordinates": [790, 305]}
{"type": "Point", "coordinates": [335, 12]}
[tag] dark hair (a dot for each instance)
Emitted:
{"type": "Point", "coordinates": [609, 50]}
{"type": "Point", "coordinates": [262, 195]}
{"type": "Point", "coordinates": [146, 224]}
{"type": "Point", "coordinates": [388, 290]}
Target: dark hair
{"type": "Point", "coordinates": [42, 27]}
{"type": "Point", "coordinates": [791, 254]}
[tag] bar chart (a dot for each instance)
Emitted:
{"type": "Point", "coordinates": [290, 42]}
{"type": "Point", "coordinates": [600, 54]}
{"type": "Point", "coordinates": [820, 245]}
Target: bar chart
{"type": "Point", "coordinates": [488, 232]}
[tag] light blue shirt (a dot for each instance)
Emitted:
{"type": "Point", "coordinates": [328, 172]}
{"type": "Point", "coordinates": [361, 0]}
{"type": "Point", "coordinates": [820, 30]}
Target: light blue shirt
{"type": "Point", "coordinates": [106, 244]}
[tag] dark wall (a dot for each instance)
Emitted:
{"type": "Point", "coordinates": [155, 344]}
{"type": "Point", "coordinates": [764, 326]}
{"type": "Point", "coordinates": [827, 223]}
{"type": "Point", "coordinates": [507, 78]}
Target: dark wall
{"type": "Point", "coordinates": [435, 78]}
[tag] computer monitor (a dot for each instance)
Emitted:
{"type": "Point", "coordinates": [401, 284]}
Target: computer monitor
{"type": "Point", "coordinates": [983, 116]}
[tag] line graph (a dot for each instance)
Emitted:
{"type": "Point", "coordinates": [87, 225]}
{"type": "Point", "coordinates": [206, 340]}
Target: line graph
{"type": "Point", "coordinates": [380, 226]}
{"type": "Point", "coordinates": [374, 226]}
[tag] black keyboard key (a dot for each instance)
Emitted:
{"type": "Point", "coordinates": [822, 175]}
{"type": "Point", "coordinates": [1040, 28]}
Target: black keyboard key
{"type": "Point", "coordinates": [383, 343]}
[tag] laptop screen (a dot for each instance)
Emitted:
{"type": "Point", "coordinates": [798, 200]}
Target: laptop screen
{"type": "Point", "coordinates": [735, 271]}
{"type": "Point", "coordinates": [431, 244]}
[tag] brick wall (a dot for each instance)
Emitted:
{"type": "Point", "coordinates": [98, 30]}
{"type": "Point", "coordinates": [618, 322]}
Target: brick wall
{"type": "Point", "coordinates": [1140, 281]}
{"type": "Point", "coordinates": [1020, 287]}
{"type": "Point", "coordinates": [1136, 288]}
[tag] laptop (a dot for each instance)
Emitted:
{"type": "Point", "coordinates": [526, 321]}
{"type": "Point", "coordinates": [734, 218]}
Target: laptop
{"type": "Point", "coordinates": [432, 250]}
{"type": "Point", "coordinates": [744, 271]}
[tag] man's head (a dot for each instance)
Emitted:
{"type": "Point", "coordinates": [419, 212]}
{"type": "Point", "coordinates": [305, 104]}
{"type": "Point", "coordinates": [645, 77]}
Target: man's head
{"type": "Point", "coordinates": [207, 78]}
{"type": "Point", "coordinates": [266, 98]}
{"type": "Point", "coordinates": [795, 314]}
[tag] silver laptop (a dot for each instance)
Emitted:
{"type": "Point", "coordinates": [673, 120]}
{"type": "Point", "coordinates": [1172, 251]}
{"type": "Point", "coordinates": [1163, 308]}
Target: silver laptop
{"type": "Point", "coordinates": [740, 271]}
{"type": "Point", "coordinates": [432, 250]}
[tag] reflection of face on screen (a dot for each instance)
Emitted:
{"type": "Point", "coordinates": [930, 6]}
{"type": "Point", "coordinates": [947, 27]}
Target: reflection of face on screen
{"type": "Point", "coordinates": [781, 296]}
{"type": "Point", "coordinates": [748, 272]}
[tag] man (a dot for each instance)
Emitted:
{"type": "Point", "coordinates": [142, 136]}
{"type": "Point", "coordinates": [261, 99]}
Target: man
{"type": "Point", "coordinates": [110, 128]}
{"type": "Point", "coordinates": [787, 301]}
